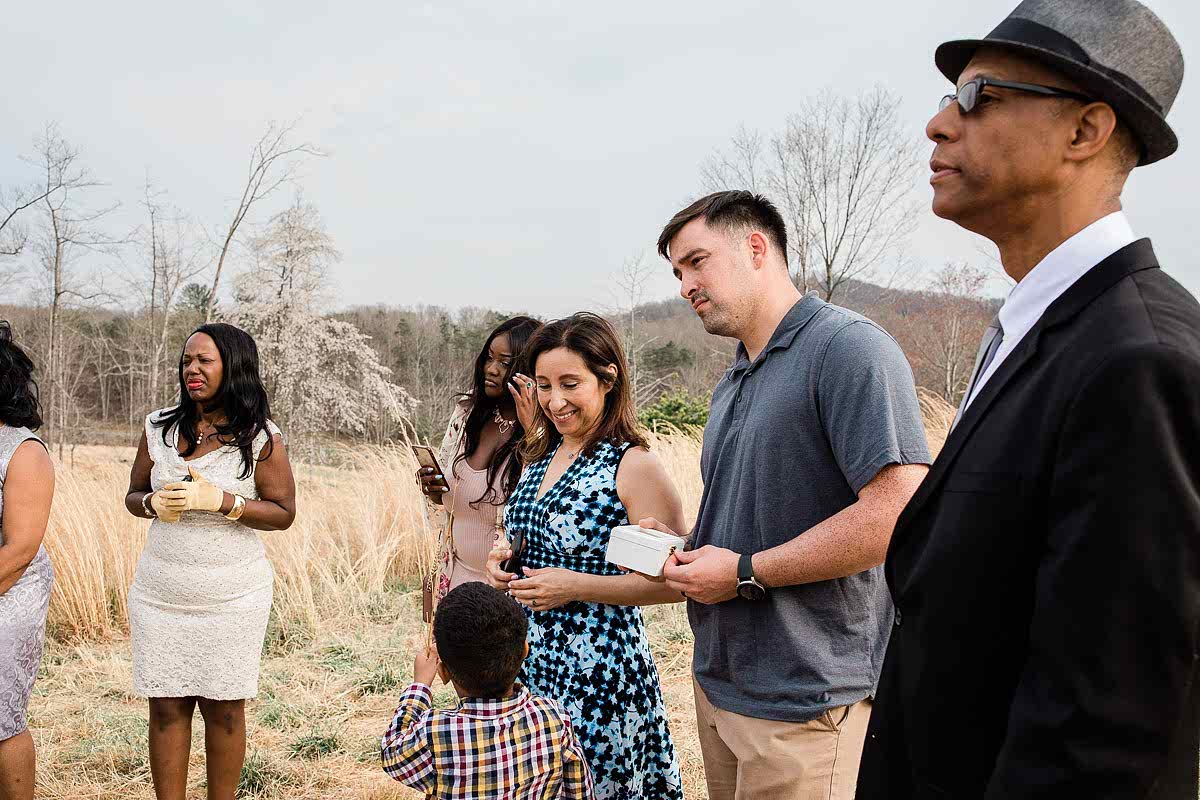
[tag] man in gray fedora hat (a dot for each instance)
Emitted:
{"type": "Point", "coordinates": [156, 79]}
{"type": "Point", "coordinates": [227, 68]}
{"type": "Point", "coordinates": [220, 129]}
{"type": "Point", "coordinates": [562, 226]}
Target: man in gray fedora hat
{"type": "Point", "coordinates": [1046, 574]}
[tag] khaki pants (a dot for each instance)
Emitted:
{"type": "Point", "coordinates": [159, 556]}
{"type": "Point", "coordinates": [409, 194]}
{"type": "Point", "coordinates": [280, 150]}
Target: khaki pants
{"type": "Point", "coordinates": [761, 759]}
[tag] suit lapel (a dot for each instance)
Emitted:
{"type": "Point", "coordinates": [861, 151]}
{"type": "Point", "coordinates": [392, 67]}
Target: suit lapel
{"type": "Point", "coordinates": [1132, 258]}
{"type": "Point", "coordinates": [1006, 372]}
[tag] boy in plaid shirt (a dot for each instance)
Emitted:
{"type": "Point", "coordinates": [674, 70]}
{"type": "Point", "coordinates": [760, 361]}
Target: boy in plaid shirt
{"type": "Point", "coordinates": [501, 741]}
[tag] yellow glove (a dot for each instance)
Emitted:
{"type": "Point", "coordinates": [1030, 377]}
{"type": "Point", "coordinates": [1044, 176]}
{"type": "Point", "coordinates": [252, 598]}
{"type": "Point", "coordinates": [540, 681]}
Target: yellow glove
{"type": "Point", "coordinates": [196, 495]}
{"type": "Point", "coordinates": [162, 509]}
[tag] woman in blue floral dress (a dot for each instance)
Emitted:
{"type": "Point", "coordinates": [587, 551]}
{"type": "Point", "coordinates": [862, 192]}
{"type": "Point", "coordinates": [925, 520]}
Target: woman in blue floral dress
{"type": "Point", "coordinates": [589, 471]}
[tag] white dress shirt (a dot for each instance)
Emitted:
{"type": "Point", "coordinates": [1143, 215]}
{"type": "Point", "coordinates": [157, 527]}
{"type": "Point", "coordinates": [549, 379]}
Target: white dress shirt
{"type": "Point", "coordinates": [1053, 275]}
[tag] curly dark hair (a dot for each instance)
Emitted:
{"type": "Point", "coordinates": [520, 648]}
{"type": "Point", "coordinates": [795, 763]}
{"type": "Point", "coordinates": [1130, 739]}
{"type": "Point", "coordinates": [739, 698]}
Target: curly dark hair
{"type": "Point", "coordinates": [480, 634]}
{"type": "Point", "coordinates": [19, 406]}
{"type": "Point", "coordinates": [241, 396]}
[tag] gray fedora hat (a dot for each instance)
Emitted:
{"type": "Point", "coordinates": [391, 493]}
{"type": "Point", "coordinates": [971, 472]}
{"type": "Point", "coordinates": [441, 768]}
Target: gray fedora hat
{"type": "Point", "coordinates": [1118, 51]}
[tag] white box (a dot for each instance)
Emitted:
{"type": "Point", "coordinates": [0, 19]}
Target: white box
{"type": "Point", "coordinates": [641, 549]}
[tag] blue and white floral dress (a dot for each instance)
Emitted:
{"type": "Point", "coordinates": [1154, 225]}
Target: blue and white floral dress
{"type": "Point", "coordinates": [594, 658]}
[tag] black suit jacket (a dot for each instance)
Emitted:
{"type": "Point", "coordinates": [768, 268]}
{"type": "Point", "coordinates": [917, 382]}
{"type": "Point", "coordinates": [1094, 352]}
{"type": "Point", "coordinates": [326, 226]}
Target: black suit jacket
{"type": "Point", "coordinates": [1046, 573]}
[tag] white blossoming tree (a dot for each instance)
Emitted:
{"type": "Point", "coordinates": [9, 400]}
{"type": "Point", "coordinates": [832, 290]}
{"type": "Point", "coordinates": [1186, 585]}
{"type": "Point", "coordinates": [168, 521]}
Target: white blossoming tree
{"type": "Point", "coordinates": [322, 374]}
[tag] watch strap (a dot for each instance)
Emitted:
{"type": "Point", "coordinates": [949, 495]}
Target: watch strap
{"type": "Point", "coordinates": [746, 568]}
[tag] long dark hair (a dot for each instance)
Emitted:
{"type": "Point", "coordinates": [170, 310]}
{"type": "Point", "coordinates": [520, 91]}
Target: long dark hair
{"type": "Point", "coordinates": [19, 406]}
{"type": "Point", "coordinates": [519, 330]}
{"type": "Point", "coordinates": [593, 339]}
{"type": "Point", "coordinates": [241, 396]}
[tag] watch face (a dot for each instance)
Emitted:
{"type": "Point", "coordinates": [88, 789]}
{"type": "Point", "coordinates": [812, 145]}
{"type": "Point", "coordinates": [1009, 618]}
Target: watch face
{"type": "Point", "coordinates": [749, 590]}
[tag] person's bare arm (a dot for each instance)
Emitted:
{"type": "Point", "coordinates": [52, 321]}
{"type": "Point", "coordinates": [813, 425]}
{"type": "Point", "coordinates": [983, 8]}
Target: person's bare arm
{"type": "Point", "coordinates": [645, 490]}
{"type": "Point", "coordinates": [28, 492]}
{"type": "Point", "coordinates": [851, 541]}
{"type": "Point", "coordinates": [139, 480]}
{"type": "Point", "coordinates": [275, 510]}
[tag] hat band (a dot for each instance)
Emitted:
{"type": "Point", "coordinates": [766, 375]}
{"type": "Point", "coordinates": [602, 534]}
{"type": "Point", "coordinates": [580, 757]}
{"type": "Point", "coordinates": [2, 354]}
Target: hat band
{"type": "Point", "coordinates": [1021, 31]}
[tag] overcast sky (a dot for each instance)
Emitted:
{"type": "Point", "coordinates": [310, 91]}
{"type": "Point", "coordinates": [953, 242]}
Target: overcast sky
{"type": "Point", "coordinates": [509, 154]}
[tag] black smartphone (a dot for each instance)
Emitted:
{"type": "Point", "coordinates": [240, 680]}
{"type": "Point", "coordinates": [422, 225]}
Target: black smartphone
{"type": "Point", "coordinates": [427, 458]}
{"type": "Point", "coordinates": [513, 564]}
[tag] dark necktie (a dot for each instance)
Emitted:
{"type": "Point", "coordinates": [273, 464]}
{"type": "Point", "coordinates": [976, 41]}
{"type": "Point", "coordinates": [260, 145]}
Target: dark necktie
{"type": "Point", "coordinates": [992, 338]}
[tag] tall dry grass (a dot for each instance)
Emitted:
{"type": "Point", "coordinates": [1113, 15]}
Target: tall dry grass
{"type": "Point", "coordinates": [361, 528]}
{"type": "Point", "coordinates": [345, 613]}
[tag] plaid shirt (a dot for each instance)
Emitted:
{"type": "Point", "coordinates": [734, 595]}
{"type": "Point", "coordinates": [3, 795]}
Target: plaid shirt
{"type": "Point", "coordinates": [522, 747]}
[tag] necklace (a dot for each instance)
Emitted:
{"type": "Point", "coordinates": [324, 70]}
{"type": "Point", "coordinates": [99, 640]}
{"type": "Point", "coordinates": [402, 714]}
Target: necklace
{"type": "Point", "coordinates": [505, 425]}
{"type": "Point", "coordinates": [200, 437]}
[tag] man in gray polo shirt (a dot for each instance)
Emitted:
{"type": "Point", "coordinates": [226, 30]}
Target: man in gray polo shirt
{"type": "Point", "coordinates": [813, 446]}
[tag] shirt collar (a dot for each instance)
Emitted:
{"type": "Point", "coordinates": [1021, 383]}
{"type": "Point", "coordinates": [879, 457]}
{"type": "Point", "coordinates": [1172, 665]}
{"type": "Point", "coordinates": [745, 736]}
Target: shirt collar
{"type": "Point", "coordinates": [785, 333]}
{"type": "Point", "coordinates": [1059, 270]}
{"type": "Point", "coordinates": [488, 707]}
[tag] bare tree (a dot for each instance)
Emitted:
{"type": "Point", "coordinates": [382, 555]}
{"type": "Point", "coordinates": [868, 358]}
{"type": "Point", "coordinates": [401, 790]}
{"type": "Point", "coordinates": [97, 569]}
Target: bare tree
{"type": "Point", "coordinates": [67, 231]}
{"type": "Point", "coordinates": [293, 255]}
{"type": "Point", "coordinates": [858, 166]}
{"type": "Point", "coordinates": [273, 162]}
{"type": "Point", "coordinates": [174, 255]}
{"type": "Point", "coordinates": [321, 372]}
{"type": "Point", "coordinates": [841, 173]}
{"type": "Point", "coordinates": [14, 201]}
{"type": "Point", "coordinates": [766, 167]}
{"type": "Point", "coordinates": [9, 276]}
{"type": "Point", "coordinates": [632, 278]}
{"type": "Point", "coordinates": [945, 339]}
{"type": "Point", "coordinates": [738, 167]}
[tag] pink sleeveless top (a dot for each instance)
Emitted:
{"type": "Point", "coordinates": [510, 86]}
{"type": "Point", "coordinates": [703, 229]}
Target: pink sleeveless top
{"type": "Point", "coordinates": [474, 525]}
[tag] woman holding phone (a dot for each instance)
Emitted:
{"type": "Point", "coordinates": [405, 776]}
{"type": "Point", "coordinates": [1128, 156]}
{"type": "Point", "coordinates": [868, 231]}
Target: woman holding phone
{"type": "Point", "coordinates": [480, 453]}
{"type": "Point", "coordinates": [589, 470]}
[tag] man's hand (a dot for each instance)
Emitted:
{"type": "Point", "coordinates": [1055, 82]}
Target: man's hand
{"type": "Point", "coordinates": [426, 665]}
{"type": "Point", "coordinates": [707, 575]}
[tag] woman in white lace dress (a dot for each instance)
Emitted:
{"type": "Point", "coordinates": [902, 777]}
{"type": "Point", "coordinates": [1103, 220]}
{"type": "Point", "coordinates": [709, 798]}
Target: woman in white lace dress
{"type": "Point", "coordinates": [210, 472]}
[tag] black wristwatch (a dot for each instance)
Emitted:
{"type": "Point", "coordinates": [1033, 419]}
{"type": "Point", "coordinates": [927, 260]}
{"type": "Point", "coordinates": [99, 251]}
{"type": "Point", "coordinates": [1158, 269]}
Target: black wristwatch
{"type": "Point", "coordinates": [748, 587]}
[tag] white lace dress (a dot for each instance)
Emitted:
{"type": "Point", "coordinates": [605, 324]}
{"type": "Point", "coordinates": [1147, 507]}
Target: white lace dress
{"type": "Point", "coordinates": [201, 594]}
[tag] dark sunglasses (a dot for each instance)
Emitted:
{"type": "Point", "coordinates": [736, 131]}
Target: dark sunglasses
{"type": "Point", "coordinates": [968, 94]}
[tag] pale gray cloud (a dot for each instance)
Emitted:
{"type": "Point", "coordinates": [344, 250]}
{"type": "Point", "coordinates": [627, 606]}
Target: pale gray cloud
{"type": "Point", "coordinates": [509, 154]}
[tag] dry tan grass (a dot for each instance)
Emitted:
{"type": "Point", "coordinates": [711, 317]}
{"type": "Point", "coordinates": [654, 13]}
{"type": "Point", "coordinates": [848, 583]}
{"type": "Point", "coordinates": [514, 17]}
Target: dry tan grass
{"type": "Point", "coordinates": [337, 653]}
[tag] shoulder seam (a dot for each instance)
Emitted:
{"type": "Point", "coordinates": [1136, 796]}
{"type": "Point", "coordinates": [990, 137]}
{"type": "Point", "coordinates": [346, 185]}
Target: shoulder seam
{"type": "Point", "coordinates": [844, 326]}
{"type": "Point", "coordinates": [1145, 308]}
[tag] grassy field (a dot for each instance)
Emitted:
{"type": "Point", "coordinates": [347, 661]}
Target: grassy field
{"type": "Point", "coordinates": [345, 615]}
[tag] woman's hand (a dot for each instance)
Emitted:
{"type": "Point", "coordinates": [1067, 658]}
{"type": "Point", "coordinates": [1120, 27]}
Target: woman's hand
{"type": "Point", "coordinates": [166, 510]}
{"type": "Point", "coordinates": [433, 483]}
{"type": "Point", "coordinates": [196, 495]}
{"type": "Point", "coordinates": [497, 577]}
{"type": "Point", "coordinates": [524, 398]}
{"type": "Point", "coordinates": [545, 588]}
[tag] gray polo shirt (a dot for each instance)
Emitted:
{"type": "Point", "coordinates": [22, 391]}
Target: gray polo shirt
{"type": "Point", "coordinates": [790, 441]}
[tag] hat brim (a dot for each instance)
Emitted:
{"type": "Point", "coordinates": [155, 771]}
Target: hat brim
{"type": "Point", "coordinates": [1149, 126]}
